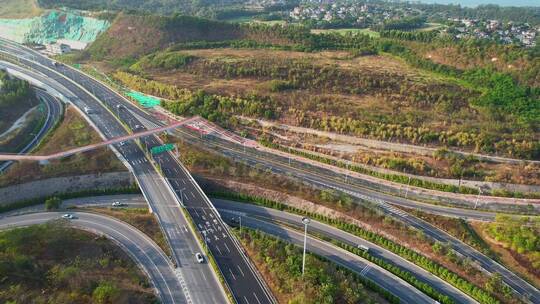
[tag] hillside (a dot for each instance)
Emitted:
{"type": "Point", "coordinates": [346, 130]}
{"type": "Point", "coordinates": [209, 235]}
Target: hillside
{"type": "Point", "coordinates": [162, 7]}
{"type": "Point", "coordinates": [384, 88]}
{"type": "Point", "coordinates": [16, 98]}
{"type": "Point", "coordinates": [19, 8]}
{"type": "Point", "coordinates": [134, 35]}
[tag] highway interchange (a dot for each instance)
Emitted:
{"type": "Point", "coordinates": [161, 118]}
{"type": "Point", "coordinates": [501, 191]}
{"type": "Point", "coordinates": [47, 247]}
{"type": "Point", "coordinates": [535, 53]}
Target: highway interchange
{"type": "Point", "coordinates": [163, 275]}
{"type": "Point", "coordinates": [54, 111]}
{"type": "Point", "coordinates": [185, 191]}
{"type": "Point", "coordinates": [324, 179]}
{"type": "Point", "coordinates": [142, 249]}
{"type": "Point", "coordinates": [200, 282]}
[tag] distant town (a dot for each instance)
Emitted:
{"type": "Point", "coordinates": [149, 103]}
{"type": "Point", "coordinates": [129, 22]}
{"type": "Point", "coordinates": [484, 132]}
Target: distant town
{"type": "Point", "coordinates": [402, 17]}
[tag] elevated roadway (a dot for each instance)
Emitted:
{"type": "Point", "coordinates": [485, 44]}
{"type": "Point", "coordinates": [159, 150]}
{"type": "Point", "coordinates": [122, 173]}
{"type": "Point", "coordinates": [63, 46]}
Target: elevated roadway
{"type": "Point", "coordinates": [245, 283]}
{"type": "Point", "coordinates": [54, 110]}
{"type": "Point", "coordinates": [324, 179]}
{"type": "Point", "coordinates": [232, 211]}
{"type": "Point", "coordinates": [142, 249]}
{"type": "Point", "coordinates": [229, 210]}
{"type": "Point", "coordinates": [199, 282]}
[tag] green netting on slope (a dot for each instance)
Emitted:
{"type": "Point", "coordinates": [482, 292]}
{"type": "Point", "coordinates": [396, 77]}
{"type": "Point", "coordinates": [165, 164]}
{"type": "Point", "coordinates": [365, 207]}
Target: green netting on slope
{"type": "Point", "coordinates": [144, 100]}
{"type": "Point", "coordinates": [53, 26]}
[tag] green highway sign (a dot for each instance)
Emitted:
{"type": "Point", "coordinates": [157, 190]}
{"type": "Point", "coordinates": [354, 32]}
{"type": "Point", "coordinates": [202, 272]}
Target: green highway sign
{"type": "Point", "coordinates": [161, 149]}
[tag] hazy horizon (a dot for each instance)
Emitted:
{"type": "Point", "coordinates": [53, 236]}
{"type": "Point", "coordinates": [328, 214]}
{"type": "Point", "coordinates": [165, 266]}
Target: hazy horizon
{"type": "Point", "coordinates": [473, 3]}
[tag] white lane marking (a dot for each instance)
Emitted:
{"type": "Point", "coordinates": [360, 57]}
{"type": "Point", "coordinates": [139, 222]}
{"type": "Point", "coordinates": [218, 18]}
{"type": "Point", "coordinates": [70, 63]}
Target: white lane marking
{"type": "Point", "coordinates": [185, 228]}
{"type": "Point", "coordinates": [256, 298]}
{"type": "Point", "coordinates": [227, 247]}
{"type": "Point", "coordinates": [192, 194]}
{"type": "Point", "coordinates": [217, 248]}
{"type": "Point", "coordinates": [204, 211]}
{"type": "Point", "coordinates": [246, 299]}
{"type": "Point", "coordinates": [365, 270]}
{"type": "Point", "coordinates": [183, 181]}
{"type": "Point", "coordinates": [234, 277]}
{"type": "Point", "coordinates": [240, 270]}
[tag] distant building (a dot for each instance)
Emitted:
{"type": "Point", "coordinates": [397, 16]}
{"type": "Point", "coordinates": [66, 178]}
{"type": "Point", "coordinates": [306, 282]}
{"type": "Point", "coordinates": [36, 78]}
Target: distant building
{"type": "Point", "coordinates": [73, 44]}
{"type": "Point", "coordinates": [58, 48]}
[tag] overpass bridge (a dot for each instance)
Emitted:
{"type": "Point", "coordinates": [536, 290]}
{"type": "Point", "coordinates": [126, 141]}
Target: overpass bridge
{"type": "Point", "coordinates": [116, 140]}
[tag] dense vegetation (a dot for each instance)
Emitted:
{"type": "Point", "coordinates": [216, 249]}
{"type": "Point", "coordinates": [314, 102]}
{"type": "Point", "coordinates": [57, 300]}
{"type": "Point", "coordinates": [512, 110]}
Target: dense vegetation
{"type": "Point", "coordinates": [13, 91]}
{"type": "Point", "coordinates": [16, 97]}
{"type": "Point", "coordinates": [215, 108]}
{"type": "Point", "coordinates": [323, 282]}
{"type": "Point", "coordinates": [55, 264]}
{"type": "Point", "coordinates": [165, 7]}
{"type": "Point", "coordinates": [503, 106]}
{"type": "Point", "coordinates": [521, 235]}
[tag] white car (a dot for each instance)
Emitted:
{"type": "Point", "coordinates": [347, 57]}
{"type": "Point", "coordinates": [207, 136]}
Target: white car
{"type": "Point", "coordinates": [68, 216]}
{"type": "Point", "coordinates": [199, 257]}
{"type": "Point", "coordinates": [117, 204]}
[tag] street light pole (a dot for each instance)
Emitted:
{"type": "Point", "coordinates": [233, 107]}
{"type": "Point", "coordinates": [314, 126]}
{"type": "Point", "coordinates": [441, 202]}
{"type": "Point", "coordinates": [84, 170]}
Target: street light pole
{"type": "Point", "coordinates": [306, 222]}
{"type": "Point", "coordinates": [408, 186]}
{"type": "Point", "coordinates": [478, 197]}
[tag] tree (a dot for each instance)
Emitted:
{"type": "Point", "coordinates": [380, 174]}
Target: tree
{"type": "Point", "coordinates": [494, 283]}
{"type": "Point", "coordinates": [53, 203]}
{"type": "Point", "coordinates": [105, 293]}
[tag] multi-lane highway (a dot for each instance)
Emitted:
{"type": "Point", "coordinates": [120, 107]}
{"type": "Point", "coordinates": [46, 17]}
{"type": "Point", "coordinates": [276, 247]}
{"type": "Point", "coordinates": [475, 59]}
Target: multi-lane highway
{"type": "Point", "coordinates": [323, 178]}
{"type": "Point", "coordinates": [54, 110]}
{"type": "Point", "coordinates": [403, 290]}
{"type": "Point", "coordinates": [201, 286]}
{"type": "Point", "coordinates": [247, 211]}
{"type": "Point", "coordinates": [142, 249]}
{"type": "Point", "coordinates": [161, 272]}
{"type": "Point", "coordinates": [232, 212]}
{"type": "Point", "coordinates": [199, 282]}
{"type": "Point", "coordinates": [316, 176]}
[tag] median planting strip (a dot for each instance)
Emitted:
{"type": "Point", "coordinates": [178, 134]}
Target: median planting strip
{"type": "Point", "coordinates": [391, 298]}
{"type": "Point", "coordinates": [445, 274]}
{"type": "Point", "coordinates": [401, 179]}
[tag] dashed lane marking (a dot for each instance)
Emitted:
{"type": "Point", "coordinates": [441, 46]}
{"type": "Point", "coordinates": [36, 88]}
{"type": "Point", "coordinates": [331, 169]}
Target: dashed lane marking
{"type": "Point", "coordinates": [233, 276]}
{"type": "Point", "coordinates": [240, 270]}
{"type": "Point", "coordinates": [256, 298]}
